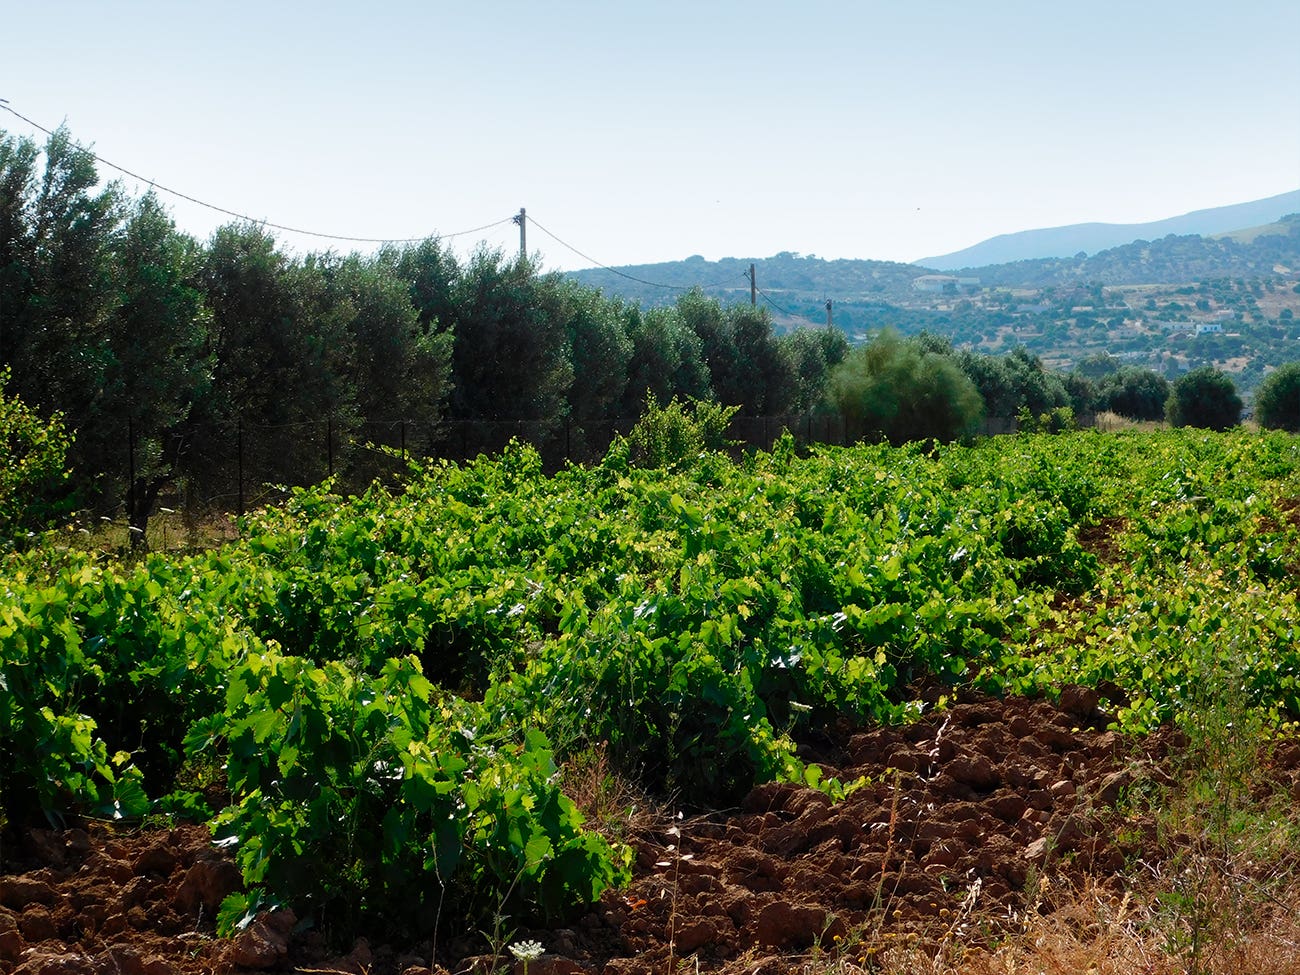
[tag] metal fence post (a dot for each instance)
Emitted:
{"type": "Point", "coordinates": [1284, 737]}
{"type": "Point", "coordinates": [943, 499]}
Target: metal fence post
{"type": "Point", "coordinates": [240, 465]}
{"type": "Point", "coordinates": [130, 471]}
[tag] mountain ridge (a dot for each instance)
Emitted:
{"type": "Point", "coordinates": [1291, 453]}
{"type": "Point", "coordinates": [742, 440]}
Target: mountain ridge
{"type": "Point", "coordinates": [1069, 240]}
{"type": "Point", "coordinates": [1259, 250]}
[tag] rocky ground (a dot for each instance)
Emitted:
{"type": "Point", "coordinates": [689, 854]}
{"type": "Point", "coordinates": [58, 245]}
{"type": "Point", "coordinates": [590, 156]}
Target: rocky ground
{"type": "Point", "coordinates": [966, 820]}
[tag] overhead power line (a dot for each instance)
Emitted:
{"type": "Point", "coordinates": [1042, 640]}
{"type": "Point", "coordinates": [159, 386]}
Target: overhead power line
{"type": "Point", "coordinates": [730, 279]}
{"type": "Point", "coordinates": [242, 216]}
{"type": "Point", "coordinates": [763, 294]}
{"type": "Point", "coordinates": [623, 274]}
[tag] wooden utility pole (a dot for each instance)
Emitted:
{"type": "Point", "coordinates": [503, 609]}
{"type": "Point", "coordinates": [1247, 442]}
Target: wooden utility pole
{"type": "Point", "coordinates": [753, 287]}
{"type": "Point", "coordinates": [521, 218]}
{"type": "Point", "coordinates": [830, 323]}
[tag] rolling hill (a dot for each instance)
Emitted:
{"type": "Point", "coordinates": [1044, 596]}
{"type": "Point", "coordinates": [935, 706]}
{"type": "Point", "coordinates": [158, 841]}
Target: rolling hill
{"type": "Point", "coordinates": [787, 279]}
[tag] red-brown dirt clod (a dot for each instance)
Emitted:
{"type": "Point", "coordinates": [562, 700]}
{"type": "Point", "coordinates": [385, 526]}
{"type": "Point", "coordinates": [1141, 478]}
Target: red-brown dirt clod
{"type": "Point", "coordinates": [962, 806]}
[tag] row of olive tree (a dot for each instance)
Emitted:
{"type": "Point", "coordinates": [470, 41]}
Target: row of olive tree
{"type": "Point", "coordinates": [922, 388]}
{"type": "Point", "coordinates": [1204, 397]}
{"type": "Point", "coordinates": [133, 330]}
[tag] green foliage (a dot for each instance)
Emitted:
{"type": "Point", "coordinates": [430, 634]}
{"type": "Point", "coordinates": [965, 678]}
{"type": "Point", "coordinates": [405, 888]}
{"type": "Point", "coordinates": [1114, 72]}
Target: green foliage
{"type": "Point", "coordinates": [746, 365]}
{"type": "Point", "coordinates": [813, 353]}
{"type": "Point", "coordinates": [1277, 401]}
{"type": "Point", "coordinates": [1137, 393]}
{"type": "Point", "coordinates": [56, 233]}
{"type": "Point", "coordinates": [49, 747]}
{"type": "Point", "coordinates": [391, 680]}
{"type": "Point", "coordinates": [898, 390]}
{"type": "Point", "coordinates": [376, 802]}
{"type": "Point", "coordinates": [1014, 383]}
{"type": "Point", "coordinates": [510, 359]}
{"type": "Point", "coordinates": [667, 360]}
{"type": "Point", "coordinates": [600, 351]}
{"type": "Point", "coordinates": [157, 369]}
{"type": "Point", "coordinates": [1204, 398]}
{"type": "Point", "coordinates": [400, 367]}
{"type": "Point", "coordinates": [1058, 420]}
{"type": "Point", "coordinates": [675, 434]}
{"type": "Point", "coordinates": [281, 345]}
{"type": "Point", "coordinates": [1099, 366]}
{"type": "Point", "coordinates": [32, 464]}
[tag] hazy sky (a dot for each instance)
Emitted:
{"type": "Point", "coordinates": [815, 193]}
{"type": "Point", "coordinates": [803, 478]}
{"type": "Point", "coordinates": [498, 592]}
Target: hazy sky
{"type": "Point", "coordinates": [657, 130]}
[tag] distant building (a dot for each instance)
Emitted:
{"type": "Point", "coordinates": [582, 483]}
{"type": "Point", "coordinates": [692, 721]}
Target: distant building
{"type": "Point", "coordinates": [941, 283]}
{"type": "Point", "coordinates": [1209, 328]}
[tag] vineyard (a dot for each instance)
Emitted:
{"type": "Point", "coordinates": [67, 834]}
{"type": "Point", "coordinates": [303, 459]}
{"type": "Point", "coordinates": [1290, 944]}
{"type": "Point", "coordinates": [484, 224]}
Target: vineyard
{"type": "Point", "coordinates": [378, 703]}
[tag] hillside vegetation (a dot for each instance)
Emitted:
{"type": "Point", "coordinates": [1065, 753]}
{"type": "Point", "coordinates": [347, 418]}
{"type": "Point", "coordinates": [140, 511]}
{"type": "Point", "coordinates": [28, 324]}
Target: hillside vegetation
{"type": "Point", "coordinates": [1169, 305]}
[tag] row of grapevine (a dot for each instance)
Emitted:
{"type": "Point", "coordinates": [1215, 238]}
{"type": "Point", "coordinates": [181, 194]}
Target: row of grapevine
{"type": "Point", "coordinates": [424, 658]}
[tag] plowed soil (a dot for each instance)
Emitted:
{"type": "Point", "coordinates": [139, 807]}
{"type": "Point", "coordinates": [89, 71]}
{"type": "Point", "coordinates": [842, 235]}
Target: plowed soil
{"type": "Point", "coordinates": [962, 816]}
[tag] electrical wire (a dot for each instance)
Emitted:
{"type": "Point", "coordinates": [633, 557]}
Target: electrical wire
{"type": "Point", "coordinates": [675, 287]}
{"type": "Point", "coordinates": [4, 104]}
{"type": "Point", "coordinates": [241, 216]}
{"type": "Point", "coordinates": [775, 305]}
{"type": "Point", "coordinates": [623, 274]}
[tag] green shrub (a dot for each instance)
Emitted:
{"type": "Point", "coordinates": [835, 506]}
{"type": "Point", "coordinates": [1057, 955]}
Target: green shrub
{"type": "Point", "coordinates": [32, 453]}
{"type": "Point", "coordinates": [900, 390]}
{"type": "Point", "coordinates": [52, 753]}
{"type": "Point", "coordinates": [1057, 420]}
{"type": "Point", "coordinates": [671, 435]}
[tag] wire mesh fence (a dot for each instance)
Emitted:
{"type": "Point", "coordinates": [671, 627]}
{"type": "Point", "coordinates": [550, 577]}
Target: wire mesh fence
{"type": "Point", "coordinates": [239, 465]}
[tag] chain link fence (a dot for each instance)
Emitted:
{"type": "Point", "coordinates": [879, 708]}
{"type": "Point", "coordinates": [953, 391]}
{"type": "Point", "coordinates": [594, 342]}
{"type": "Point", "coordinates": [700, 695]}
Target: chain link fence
{"type": "Point", "coordinates": [237, 466]}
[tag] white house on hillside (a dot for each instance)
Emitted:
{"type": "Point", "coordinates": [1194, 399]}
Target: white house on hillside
{"type": "Point", "coordinates": [939, 283]}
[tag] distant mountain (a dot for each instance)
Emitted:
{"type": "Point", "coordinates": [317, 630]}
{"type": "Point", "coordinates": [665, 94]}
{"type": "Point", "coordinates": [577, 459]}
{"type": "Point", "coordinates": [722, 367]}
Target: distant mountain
{"type": "Point", "coordinates": [795, 288]}
{"type": "Point", "coordinates": [1257, 252]}
{"type": "Point", "coordinates": [1090, 238]}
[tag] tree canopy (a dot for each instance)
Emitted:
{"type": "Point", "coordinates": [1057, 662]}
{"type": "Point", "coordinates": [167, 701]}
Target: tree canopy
{"type": "Point", "coordinates": [160, 351]}
{"type": "Point", "coordinates": [901, 391]}
{"type": "Point", "coordinates": [1137, 393]}
{"type": "Point", "coordinates": [1206, 398]}
{"type": "Point", "coordinates": [1277, 401]}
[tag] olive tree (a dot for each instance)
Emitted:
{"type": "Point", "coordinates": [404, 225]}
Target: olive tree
{"type": "Point", "coordinates": [1204, 397]}
{"type": "Point", "coordinates": [902, 392]}
{"type": "Point", "coordinates": [1277, 400]}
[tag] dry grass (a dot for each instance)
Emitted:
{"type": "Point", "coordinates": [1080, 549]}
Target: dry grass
{"type": "Point", "coordinates": [1088, 931]}
{"type": "Point", "coordinates": [1093, 932]}
{"type": "Point", "coordinates": [169, 531]}
{"type": "Point", "coordinates": [1109, 422]}
{"type": "Point", "coordinates": [1221, 896]}
{"type": "Point", "coordinates": [611, 805]}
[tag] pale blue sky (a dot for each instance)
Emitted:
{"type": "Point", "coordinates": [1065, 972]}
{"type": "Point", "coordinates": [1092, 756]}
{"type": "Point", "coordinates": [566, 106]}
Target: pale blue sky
{"type": "Point", "coordinates": [653, 131]}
